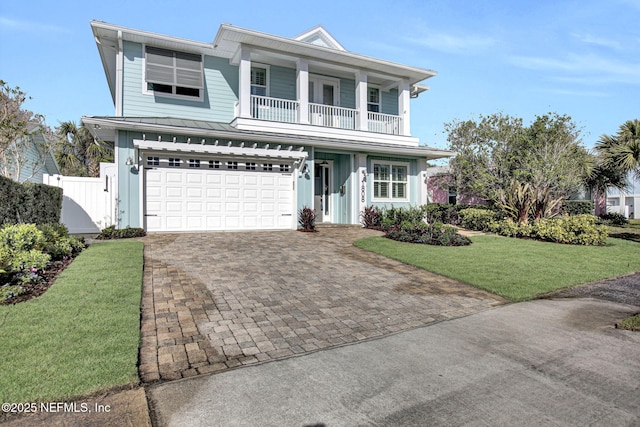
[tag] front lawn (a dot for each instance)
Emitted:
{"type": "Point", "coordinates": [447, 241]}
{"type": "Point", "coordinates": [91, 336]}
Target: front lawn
{"type": "Point", "coordinates": [516, 269]}
{"type": "Point", "coordinates": [82, 335]}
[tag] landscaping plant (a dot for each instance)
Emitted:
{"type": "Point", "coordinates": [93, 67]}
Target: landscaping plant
{"type": "Point", "coordinates": [307, 219]}
{"type": "Point", "coordinates": [27, 251]}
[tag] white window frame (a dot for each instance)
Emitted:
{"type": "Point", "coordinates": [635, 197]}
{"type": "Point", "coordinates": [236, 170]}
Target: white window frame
{"type": "Point", "coordinates": [151, 92]}
{"type": "Point", "coordinates": [391, 164]}
{"type": "Point", "coordinates": [379, 103]}
{"type": "Point", "coordinates": [318, 81]}
{"type": "Point", "coordinates": [267, 69]}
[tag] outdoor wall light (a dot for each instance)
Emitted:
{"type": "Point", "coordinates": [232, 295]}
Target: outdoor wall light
{"type": "Point", "coordinates": [129, 161]}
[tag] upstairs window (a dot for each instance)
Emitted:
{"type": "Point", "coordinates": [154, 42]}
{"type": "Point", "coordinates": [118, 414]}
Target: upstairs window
{"type": "Point", "coordinates": [173, 73]}
{"type": "Point", "coordinates": [373, 100]}
{"type": "Point", "coordinates": [259, 81]}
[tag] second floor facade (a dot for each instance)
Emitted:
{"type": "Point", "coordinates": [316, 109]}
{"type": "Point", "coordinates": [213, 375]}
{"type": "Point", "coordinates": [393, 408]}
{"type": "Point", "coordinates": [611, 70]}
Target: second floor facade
{"type": "Point", "coordinates": [308, 86]}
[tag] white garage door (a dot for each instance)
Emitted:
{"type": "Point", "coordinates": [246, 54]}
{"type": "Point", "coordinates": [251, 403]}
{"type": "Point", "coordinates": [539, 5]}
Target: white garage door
{"type": "Point", "coordinates": [187, 194]}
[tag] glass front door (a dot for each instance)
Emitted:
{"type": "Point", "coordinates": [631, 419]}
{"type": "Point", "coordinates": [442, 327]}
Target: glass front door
{"type": "Point", "coordinates": [322, 192]}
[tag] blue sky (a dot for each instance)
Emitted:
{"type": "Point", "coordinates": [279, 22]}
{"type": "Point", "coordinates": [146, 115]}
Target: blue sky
{"type": "Point", "coordinates": [522, 58]}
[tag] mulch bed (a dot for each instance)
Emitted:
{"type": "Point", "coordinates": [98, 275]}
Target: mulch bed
{"type": "Point", "coordinates": [34, 290]}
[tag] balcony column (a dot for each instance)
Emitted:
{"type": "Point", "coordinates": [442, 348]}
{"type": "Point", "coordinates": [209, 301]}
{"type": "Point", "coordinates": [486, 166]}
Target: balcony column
{"type": "Point", "coordinates": [404, 109]}
{"type": "Point", "coordinates": [362, 119]}
{"type": "Point", "coordinates": [244, 95]}
{"type": "Point", "coordinates": [302, 88]}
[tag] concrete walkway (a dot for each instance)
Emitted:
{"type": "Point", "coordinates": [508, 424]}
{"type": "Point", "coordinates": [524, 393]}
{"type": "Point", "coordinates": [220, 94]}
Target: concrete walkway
{"type": "Point", "coordinates": [216, 301]}
{"type": "Point", "coordinates": [543, 363]}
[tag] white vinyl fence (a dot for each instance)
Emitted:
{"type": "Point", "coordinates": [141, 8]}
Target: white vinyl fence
{"type": "Point", "coordinates": [88, 204]}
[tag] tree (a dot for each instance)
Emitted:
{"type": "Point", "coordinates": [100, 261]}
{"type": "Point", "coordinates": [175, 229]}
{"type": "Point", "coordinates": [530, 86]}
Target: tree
{"type": "Point", "coordinates": [621, 152]}
{"type": "Point", "coordinates": [78, 153]}
{"type": "Point", "coordinates": [18, 148]}
{"type": "Point", "coordinates": [527, 171]}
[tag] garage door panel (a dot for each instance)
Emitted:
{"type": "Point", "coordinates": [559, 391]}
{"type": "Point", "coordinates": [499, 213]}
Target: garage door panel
{"type": "Point", "coordinates": [194, 192]}
{"type": "Point", "coordinates": [174, 192]}
{"type": "Point", "coordinates": [180, 198]}
{"type": "Point", "coordinates": [174, 177]}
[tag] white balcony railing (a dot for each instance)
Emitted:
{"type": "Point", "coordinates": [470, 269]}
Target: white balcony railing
{"type": "Point", "coordinates": [383, 123]}
{"type": "Point", "coordinates": [330, 116]}
{"type": "Point", "coordinates": [288, 111]}
{"type": "Point", "coordinates": [274, 109]}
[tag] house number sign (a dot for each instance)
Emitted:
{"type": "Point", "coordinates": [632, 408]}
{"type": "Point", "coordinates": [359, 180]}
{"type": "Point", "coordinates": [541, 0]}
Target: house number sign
{"type": "Point", "coordinates": [363, 188]}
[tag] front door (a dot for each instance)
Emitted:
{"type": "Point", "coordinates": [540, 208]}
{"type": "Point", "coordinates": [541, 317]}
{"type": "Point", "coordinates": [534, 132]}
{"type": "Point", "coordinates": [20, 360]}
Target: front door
{"type": "Point", "coordinates": [322, 192]}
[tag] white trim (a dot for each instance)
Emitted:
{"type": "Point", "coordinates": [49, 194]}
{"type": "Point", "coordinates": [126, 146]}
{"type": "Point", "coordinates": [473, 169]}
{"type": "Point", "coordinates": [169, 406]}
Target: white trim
{"type": "Point", "coordinates": [267, 67]}
{"type": "Point", "coordinates": [119, 76]}
{"type": "Point", "coordinates": [390, 199]}
{"type": "Point", "coordinates": [318, 81]}
{"type": "Point", "coordinates": [224, 150]}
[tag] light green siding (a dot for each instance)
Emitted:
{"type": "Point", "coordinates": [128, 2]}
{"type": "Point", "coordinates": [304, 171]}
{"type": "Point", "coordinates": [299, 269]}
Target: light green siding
{"type": "Point", "coordinates": [128, 182]}
{"type": "Point", "coordinates": [389, 102]}
{"type": "Point", "coordinates": [282, 82]}
{"type": "Point", "coordinates": [217, 103]}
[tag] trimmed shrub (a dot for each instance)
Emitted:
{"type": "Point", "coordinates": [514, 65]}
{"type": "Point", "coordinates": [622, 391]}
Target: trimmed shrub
{"type": "Point", "coordinates": [575, 230]}
{"type": "Point", "coordinates": [577, 207]}
{"type": "Point", "coordinates": [613, 218]}
{"type": "Point", "coordinates": [396, 216]}
{"type": "Point", "coordinates": [477, 219]}
{"type": "Point", "coordinates": [434, 234]}
{"type": "Point", "coordinates": [371, 217]}
{"type": "Point", "coordinates": [29, 202]}
{"type": "Point", "coordinates": [21, 237]}
{"type": "Point", "coordinates": [112, 232]}
{"type": "Point", "coordinates": [442, 212]}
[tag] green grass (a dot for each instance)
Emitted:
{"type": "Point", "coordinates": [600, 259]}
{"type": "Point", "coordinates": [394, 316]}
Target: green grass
{"type": "Point", "coordinates": [82, 335]}
{"type": "Point", "coordinates": [631, 323]}
{"type": "Point", "coordinates": [516, 269]}
{"type": "Point", "coordinates": [630, 231]}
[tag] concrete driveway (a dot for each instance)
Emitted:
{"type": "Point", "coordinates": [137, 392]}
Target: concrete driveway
{"type": "Point", "coordinates": [216, 301]}
{"type": "Point", "coordinates": [539, 363]}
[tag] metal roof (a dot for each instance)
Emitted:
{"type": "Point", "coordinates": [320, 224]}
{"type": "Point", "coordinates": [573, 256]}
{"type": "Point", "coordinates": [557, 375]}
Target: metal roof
{"type": "Point", "coordinates": [104, 128]}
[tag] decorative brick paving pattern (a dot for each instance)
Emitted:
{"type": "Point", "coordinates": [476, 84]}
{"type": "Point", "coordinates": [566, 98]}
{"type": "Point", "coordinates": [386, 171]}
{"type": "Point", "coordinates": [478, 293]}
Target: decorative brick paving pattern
{"type": "Point", "coordinates": [215, 301]}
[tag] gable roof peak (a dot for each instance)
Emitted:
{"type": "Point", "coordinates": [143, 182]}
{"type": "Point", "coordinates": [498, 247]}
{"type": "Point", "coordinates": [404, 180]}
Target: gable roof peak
{"type": "Point", "coordinates": [321, 37]}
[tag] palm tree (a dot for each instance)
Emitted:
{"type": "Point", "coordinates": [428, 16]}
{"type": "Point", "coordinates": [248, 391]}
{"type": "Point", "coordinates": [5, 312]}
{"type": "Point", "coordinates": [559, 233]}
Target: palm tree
{"type": "Point", "coordinates": [78, 153]}
{"type": "Point", "coordinates": [622, 151]}
{"type": "Point", "coordinates": [616, 157]}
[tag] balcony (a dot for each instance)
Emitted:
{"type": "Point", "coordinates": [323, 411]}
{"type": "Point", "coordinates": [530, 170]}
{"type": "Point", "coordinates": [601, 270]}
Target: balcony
{"type": "Point", "coordinates": [288, 111]}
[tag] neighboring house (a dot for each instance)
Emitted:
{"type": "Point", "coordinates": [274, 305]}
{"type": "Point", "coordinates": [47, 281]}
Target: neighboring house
{"type": "Point", "coordinates": [33, 162]}
{"type": "Point", "coordinates": [440, 188]}
{"type": "Point", "coordinates": [625, 202]}
{"type": "Point", "coordinates": [243, 132]}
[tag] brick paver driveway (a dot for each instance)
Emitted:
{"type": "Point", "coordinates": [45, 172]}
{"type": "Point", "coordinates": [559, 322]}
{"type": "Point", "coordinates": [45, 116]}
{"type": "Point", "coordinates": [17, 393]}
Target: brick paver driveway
{"type": "Point", "coordinates": [216, 301]}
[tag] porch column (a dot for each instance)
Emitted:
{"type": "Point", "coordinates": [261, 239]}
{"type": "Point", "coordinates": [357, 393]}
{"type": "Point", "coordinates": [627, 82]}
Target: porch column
{"type": "Point", "coordinates": [362, 119]}
{"type": "Point", "coordinates": [423, 191]}
{"type": "Point", "coordinates": [302, 88]}
{"type": "Point", "coordinates": [361, 182]}
{"type": "Point", "coordinates": [404, 109]}
{"type": "Point", "coordinates": [244, 90]}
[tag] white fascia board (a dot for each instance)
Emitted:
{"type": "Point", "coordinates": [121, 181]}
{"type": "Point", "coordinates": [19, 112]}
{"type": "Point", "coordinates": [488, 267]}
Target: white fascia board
{"type": "Point", "coordinates": [229, 38]}
{"type": "Point", "coordinates": [222, 150]}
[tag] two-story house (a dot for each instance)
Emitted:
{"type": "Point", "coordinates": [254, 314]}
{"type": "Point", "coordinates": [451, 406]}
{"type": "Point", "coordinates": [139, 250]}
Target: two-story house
{"type": "Point", "coordinates": [243, 132]}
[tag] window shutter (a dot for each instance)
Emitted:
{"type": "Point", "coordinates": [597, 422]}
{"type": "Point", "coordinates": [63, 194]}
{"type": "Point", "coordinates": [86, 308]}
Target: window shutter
{"type": "Point", "coordinates": [159, 66]}
{"type": "Point", "coordinates": [188, 70]}
{"type": "Point", "coordinates": [173, 68]}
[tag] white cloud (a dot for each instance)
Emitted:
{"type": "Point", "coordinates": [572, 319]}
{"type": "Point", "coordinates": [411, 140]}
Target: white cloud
{"type": "Point", "coordinates": [453, 43]}
{"type": "Point", "coordinates": [598, 41]}
{"type": "Point", "coordinates": [587, 69]}
{"type": "Point", "coordinates": [32, 27]}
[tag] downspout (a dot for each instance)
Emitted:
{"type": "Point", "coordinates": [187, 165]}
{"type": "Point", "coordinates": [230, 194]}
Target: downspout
{"type": "Point", "coordinates": [119, 77]}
